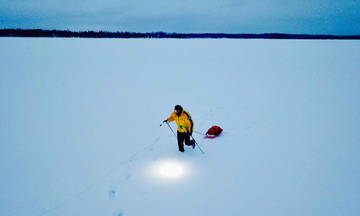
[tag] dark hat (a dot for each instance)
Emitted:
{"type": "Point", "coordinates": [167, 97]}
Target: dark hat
{"type": "Point", "coordinates": [178, 107]}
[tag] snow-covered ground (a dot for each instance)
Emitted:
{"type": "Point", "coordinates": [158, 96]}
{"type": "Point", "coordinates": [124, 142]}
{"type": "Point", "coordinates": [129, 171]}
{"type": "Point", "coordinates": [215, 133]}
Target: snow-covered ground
{"type": "Point", "coordinates": [80, 135]}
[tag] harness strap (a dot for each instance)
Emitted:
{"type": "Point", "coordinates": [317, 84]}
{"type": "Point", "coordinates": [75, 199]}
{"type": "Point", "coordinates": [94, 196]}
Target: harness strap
{"type": "Point", "coordinates": [191, 121]}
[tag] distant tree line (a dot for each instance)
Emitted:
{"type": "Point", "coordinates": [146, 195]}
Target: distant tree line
{"type": "Point", "coordinates": [105, 34]}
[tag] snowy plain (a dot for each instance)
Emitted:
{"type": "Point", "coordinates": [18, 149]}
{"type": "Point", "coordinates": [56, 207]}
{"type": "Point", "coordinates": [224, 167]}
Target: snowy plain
{"type": "Point", "coordinates": [80, 134]}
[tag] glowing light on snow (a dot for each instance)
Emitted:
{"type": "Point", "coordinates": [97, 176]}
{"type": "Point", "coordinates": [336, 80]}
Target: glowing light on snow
{"type": "Point", "coordinates": [169, 169]}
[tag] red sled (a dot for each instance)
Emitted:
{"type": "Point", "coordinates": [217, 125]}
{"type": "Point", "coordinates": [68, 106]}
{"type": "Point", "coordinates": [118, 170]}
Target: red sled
{"type": "Point", "coordinates": [213, 132]}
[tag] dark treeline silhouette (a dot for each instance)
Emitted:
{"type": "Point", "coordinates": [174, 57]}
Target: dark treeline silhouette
{"type": "Point", "coordinates": [105, 34]}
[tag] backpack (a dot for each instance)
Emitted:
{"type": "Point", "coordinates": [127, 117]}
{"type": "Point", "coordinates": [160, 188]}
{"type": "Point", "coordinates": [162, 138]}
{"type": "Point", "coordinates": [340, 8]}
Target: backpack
{"type": "Point", "coordinates": [214, 131]}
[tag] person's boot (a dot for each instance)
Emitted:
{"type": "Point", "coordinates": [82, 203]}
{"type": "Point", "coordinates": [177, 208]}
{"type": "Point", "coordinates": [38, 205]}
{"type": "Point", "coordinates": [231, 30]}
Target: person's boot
{"type": "Point", "coordinates": [192, 143]}
{"type": "Point", "coordinates": [181, 147]}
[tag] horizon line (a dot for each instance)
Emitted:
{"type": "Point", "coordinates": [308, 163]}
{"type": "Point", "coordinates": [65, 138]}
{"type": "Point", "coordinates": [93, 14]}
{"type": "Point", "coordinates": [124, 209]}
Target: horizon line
{"type": "Point", "coordinates": [38, 32]}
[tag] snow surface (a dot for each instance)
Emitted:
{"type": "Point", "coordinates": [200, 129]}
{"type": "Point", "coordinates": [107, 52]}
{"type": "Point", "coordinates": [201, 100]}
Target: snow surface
{"type": "Point", "coordinates": [80, 135]}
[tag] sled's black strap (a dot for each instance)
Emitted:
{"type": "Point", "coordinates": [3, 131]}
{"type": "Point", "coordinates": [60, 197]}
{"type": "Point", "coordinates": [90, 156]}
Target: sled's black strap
{"type": "Point", "coordinates": [191, 121]}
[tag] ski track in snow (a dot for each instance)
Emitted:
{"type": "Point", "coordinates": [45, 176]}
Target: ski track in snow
{"type": "Point", "coordinates": [112, 191]}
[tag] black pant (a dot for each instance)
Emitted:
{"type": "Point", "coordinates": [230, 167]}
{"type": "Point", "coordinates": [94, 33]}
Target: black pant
{"type": "Point", "coordinates": [181, 137]}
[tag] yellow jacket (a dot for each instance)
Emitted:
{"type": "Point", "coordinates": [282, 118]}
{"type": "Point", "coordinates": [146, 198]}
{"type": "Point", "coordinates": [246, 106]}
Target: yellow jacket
{"type": "Point", "coordinates": [184, 121]}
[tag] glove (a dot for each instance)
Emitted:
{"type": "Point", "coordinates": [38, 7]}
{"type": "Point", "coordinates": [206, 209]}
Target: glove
{"type": "Point", "coordinates": [165, 121]}
{"type": "Point", "coordinates": [190, 133]}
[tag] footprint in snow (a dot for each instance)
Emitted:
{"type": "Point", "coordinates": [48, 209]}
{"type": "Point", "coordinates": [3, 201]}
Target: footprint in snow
{"type": "Point", "coordinates": [156, 140]}
{"type": "Point", "coordinates": [127, 176]}
{"type": "Point", "coordinates": [118, 213]}
{"type": "Point", "coordinates": [112, 193]}
{"type": "Point", "coordinates": [132, 158]}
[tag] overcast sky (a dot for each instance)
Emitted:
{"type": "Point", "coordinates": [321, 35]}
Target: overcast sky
{"type": "Point", "coordinates": [341, 17]}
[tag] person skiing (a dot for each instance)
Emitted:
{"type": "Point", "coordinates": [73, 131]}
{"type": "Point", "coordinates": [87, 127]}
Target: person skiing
{"type": "Point", "coordinates": [185, 127]}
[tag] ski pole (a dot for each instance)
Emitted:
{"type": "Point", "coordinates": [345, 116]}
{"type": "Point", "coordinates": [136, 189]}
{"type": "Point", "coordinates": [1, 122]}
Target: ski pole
{"type": "Point", "coordinates": [197, 145]}
{"type": "Point", "coordinates": [169, 127]}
